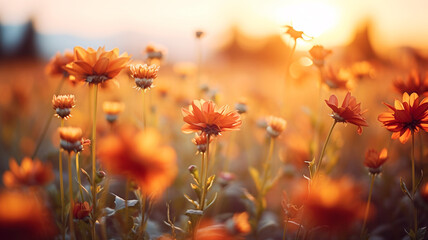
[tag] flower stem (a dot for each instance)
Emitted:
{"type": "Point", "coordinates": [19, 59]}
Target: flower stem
{"type": "Point", "coordinates": [78, 176]}
{"type": "Point", "coordinates": [284, 233]}
{"type": "Point", "coordinates": [144, 110]}
{"type": "Point", "coordinates": [317, 169]}
{"type": "Point", "coordinates": [126, 201]}
{"type": "Point", "coordinates": [61, 186]}
{"type": "Point", "coordinates": [204, 181]}
{"type": "Point", "coordinates": [94, 171]}
{"type": "Point", "coordinates": [415, 211]}
{"type": "Point", "coordinates": [70, 192]}
{"type": "Point", "coordinates": [373, 176]}
{"type": "Point", "coordinates": [262, 193]}
{"type": "Point", "coordinates": [144, 214]}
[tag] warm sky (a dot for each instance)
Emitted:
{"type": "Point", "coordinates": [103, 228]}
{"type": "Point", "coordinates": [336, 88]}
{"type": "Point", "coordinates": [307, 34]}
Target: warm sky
{"type": "Point", "coordinates": [331, 22]}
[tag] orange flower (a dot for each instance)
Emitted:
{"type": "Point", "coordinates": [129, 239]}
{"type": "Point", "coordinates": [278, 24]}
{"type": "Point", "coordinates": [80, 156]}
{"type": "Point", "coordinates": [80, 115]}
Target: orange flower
{"type": "Point", "coordinates": [293, 32]}
{"type": "Point", "coordinates": [201, 141]}
{"type": "Point", "coordinates": [22, 216]}
{"type": "Point", "coordinates": [71, 139]}
{"type": "Point", "coordinates": [214, 232]}
{"type": "Point", "coordinates": [424, 192]}
{"type": "Point", "coordinates": [335, 80]}
{"type": "Point", "coordinates": [81, 210]}
{"type": "Point", "coordinates": [334, 203]}
{"type": "Point", "coordinates": [144, 75]}
{"type": "Point", "coordinates": [205, 117]}
{"type": "Point", "coordinates": [62, 104]}
{"type": "Point", "coordinates": [96, 66]}
{"type": "Point", "coordinates": [319, 53]}
{"type": "Point", "coordinates": [112, 110]}
{"type": "Point", "coordinates": [350, 111]}
{"type": "Point", "coordinates": [30, 173]}
{"type": "Point", "coordinates": [415, 83]}
{"type": "Point", "coordinates": [140, 156]}
{"type": "Point", "coordinates": [406, 117]}
{"type": "Point", "coordinates": [241, 224]}
{"type": "Point", "coordinates": [375, 160]}
{"type": "Point", "coordinates": [154, 53]}
{"type": "Point", "coordinates": [56, 65]}
{"type": "Point", "coordinates": [275, 126]}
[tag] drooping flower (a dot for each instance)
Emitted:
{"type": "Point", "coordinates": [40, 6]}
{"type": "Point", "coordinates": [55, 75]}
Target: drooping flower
{"type": "Point", "coordinates": [71, 139]}
{"type": "Point", "coordinates": [144, 75]}
{"type": "Point", "coordinates": [23, 216]}
{"type": "Point", "coordinates": [350, 111]}
{"type": "Point", "coordinates": [204, 116]}
{"type": "Point", "coordinates": [333, 203]}
{"type": "Point", "coordinates": [375, 160]}
{"type": "Point", "coordinates": [112, 110]}
{"type": "Point", "coordinates": [407, 116]}
{"type": "Point", "coordinates": [319, 53]}
{"type": "Point", "coordinates": [98, 66]}
{"type": "Point", "coordinates": [81, 210]}
{"type": "Point", "coordinates": [415, 84]}
{"type": "Point", "coordinates": [140, 156]}
{"type": "Point", "coordinates": [30, 173]}
{"type": "Point", "coordinates": [62, 104]}
{"type": "Point", "coordinates": [57, 63]}
{"type": "Point", "coordinates": [275, 126]}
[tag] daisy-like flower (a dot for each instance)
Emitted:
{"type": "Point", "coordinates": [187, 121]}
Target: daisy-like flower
{"type": "Point", "coordinates": [201, 140]}
{"type": "Point", "coordinates": [407, 116]}
{"type": "Point", "coordinates": [349, 112]}
{"type": "Point", "coordinates": [112, 110]}
{"type": "Point", "coordinates": [81, 210]}
{"type": "Point", "coordinates": [375, 160]}
{"type": "Point", "coordinates": [293, 32]}
{"type": "Point", "coordinates": [141, 156]}
{"type": "Point", "coordinates": [62, 104]}
{"type": "Point", "coordinates": [319, 53]}
{"type": "Point", "coordinates": [203, 116]}
{"type": "Point", "coordinates": [30, 173]}
{"type": "Point", "coordinates": [71, 139]}
{"type": "Point", "coordinates": [154, 53]}
{"type": "Point", "coordinates": [415, 83]}
{"type": "Point", "coordinates": [144, 75]}
{"type": "Point", "coordinates": [335, 80]}
{"type": "Point", "coordinates": [275, 126]}
{"type": "Point", "coordinates": [96, 67]}
{"type": "Point", "coordinates": [56, 65]}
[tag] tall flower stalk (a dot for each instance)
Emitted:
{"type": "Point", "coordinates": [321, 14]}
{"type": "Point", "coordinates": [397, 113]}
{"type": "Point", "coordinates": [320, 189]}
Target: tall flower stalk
{"type": "Point", "coordinates": [93, 157]}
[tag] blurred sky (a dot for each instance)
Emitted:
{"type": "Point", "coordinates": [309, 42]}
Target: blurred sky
{"type": "Point", "coordinates": [172, 23]}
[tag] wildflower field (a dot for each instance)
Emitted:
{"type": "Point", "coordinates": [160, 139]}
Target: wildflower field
{"type": "Point", "coordinates": [291, 139]}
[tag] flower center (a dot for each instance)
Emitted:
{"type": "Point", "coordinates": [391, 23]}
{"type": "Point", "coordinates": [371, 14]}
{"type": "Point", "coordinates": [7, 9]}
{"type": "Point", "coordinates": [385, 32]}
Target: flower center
{"type": "Point", "coordinates": [337, 117]}
{"type": "Point", "coordinates": [212, 129]}
{"type": "Point", "coordinates": [95, 79]}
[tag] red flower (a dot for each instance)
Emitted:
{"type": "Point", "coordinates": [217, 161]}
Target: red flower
{"type": "Point", "coordinates": [30, 173]}
{"type": "Point", "coordinates": [203, 116]}
{"type": "Point", "coordinates": [350, 111]}
{"type": "Point", "coordinates": [415, 83]}
{"type": "Point", "coordinates": [375, 160]}
{"type": "Point", "coordinates": [406, 117]}
{"type": "Point", "coordinates": [81, 210]}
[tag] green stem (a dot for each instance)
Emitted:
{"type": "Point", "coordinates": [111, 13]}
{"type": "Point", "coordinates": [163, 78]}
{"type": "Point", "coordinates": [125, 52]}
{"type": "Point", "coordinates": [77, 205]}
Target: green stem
{"type": "Point", "coordinates": [93, 153]}
{"type": "Point", "coordinates": [78, 176]}
{"type": "Point", "coordinates": [373, 176]}
{"type": "Point", "coordinates": [70, 192]}
{"type": "Point", "coordinates": [204, 181]}
{"type": "Point", "coordinates": [415, 211]}
{"type": "Point", "coordinates": [317, 169]}
{"type": "Point", "coordinates": [202, 177]}
{"type": "Point", "coordinates": [61, 186]}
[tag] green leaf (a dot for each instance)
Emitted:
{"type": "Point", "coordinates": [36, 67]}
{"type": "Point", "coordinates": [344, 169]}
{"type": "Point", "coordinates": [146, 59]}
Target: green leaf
{"type": "Point", "coordinates": [196, 204]}
{"type": "Point", "coordinates": [86, 174]}
{"type": "Point", "coordinates": [404, 188]}
{"type": "Point", "coordinates": [210, 182]}
{"type": "Point", "coordinates": [256, 177]}
{"type": "Point", "coordinates": [196, 189]}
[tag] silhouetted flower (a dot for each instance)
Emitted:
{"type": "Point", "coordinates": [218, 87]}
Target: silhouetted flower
{"type": "Point", "coordinates": [56, 65]}
{"type": "Point", "coordinates": [293, 32]}
{"type": "Point", "coordinates": [205, 117]}
{"type": "Point", "coordinates": [409, 115]}
{"type": "Point", "coordinates": [30, 173]}
{"type": "Point", "coordinates": [375, 160]}
{"type": "Point", "coordinates": [96, 66]}
{"type": "Point", "coordinates": [350, 111]}
{"type": "Point", "coordinates": [415, 84]}
{"type": "Point", "coordinates": [319, 53]}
